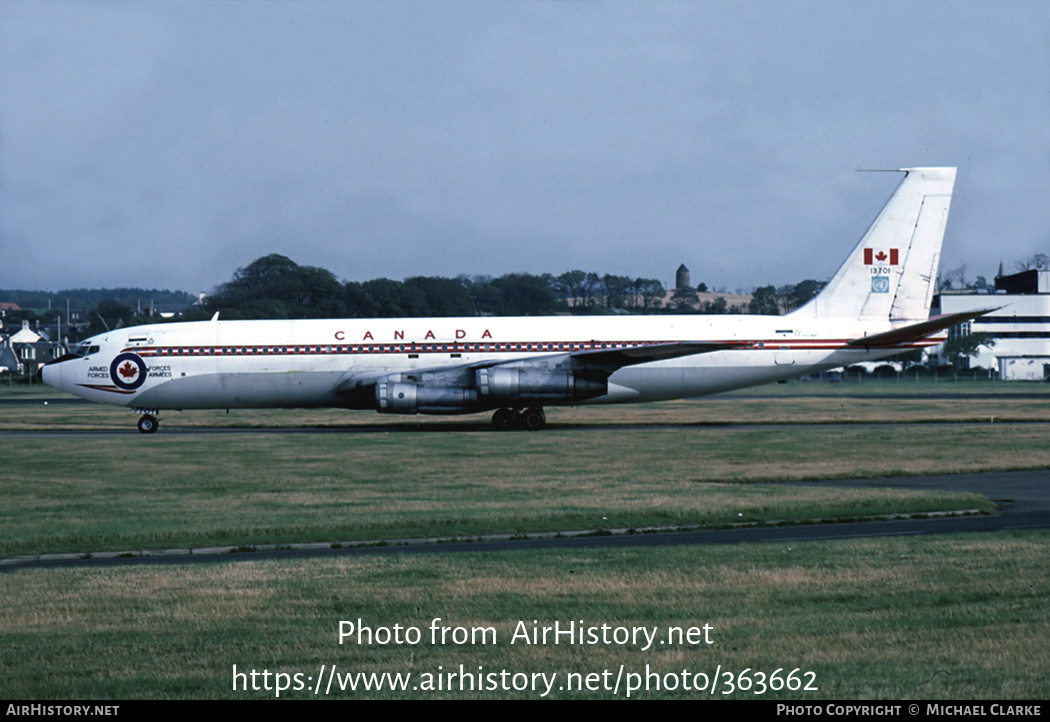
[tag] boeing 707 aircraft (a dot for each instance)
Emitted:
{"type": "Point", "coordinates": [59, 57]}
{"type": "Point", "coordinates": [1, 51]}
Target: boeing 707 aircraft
{"type": "Point", "coordinates": [876, 305]}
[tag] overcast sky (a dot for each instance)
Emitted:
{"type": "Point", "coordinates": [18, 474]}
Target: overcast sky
{"type": "Point", "coordinates": [166, 144]}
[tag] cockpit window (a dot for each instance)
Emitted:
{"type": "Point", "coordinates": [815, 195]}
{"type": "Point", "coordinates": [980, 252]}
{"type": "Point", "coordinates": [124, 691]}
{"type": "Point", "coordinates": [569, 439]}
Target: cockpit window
{"type": "Point", "coordinates": [83, 350]}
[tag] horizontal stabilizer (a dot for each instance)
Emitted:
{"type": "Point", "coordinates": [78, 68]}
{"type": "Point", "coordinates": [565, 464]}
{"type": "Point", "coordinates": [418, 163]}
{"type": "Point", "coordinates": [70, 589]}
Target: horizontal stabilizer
{"type": "Point", "coordinates": [916, 331]}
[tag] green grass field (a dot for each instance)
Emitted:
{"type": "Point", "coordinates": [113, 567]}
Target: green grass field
{"type": "Point", "coordinates": [131, 492]}
{"type": "Point", "coordinates": [943, 618]}
{"type": "Point", "coordinates": [902, 618]}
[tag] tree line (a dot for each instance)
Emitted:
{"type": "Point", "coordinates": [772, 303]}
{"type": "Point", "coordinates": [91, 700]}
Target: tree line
{"type": "Point", "coordinates": [274, 286]}
{"type": "Point", "coordinates": [84, 312]}
{"type": "Point", "coordinates": [85, 300]}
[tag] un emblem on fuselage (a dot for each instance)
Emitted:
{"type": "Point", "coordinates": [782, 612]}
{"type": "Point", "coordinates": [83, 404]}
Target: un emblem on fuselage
{"type": "Point", "coordinates": [128, 371]}
{"type": "Point", "coordinates": [880, 284]}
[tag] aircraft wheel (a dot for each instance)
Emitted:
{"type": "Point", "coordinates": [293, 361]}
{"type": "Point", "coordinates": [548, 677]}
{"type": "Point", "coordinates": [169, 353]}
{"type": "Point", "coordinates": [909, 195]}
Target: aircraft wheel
{"type": "Point", "coordinates": [503, 419]}
{"type": "Point", "coordinates": [149, 424]}
{"type": "Point", "coordinates": [533, 419]}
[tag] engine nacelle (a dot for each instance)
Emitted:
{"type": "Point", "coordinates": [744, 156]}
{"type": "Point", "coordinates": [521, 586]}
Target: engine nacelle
{"type": "Point", "coordinates": [401, 397]}
{"type": "Point", "coordinates": [527, 385]}
{"type": "Point", "coordinates": [491, 388]}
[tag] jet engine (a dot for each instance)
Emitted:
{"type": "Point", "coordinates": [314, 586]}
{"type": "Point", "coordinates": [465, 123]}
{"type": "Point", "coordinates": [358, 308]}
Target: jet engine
{"type": "Point", "coordinates": [533, 385]}
{"type": "Point", "coordinates": [465, 391]}
{"type": "Point", "coordinates": [407, 397]}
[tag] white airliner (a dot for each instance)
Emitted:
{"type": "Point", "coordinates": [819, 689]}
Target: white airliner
{"type": "Point", "coordinates": [876, 305]}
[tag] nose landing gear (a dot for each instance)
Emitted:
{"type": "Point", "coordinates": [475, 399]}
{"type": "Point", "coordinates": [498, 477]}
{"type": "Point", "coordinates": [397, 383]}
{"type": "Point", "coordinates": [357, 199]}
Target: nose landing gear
{"type": "Point", "coordinates": [148, 422]}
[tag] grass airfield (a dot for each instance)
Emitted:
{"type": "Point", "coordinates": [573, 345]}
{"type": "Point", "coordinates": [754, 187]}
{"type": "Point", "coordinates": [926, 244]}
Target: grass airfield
{"type": "Point", "coordinates": [946, 618]}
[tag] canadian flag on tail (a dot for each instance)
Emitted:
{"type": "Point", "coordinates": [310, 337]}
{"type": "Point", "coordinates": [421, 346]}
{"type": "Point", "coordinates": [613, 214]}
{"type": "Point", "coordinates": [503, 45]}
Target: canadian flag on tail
{"type": "Point", "coordinates": [873, 256]}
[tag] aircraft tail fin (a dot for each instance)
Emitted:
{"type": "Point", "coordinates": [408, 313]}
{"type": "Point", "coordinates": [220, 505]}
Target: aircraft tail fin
{"type": "Point", "coordinates": [892, 271]}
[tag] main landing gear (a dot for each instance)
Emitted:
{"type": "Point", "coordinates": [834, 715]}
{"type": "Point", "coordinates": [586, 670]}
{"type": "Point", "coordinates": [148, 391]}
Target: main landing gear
{"type": "Point", "coordinates": [148, 423]}
{"type": "Point", "coordinates": [530, 419]}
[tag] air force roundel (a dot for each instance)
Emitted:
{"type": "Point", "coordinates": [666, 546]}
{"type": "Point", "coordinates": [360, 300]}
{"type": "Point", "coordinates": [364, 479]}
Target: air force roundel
{"type": "Point", "coordinates": [128, 371]}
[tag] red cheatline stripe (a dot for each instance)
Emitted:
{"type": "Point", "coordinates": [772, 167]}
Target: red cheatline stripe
{"type": "Point", "coordinates": [504, 347]}
{"type": "Point", "coordinates": [388, 348]}
{"type": "Point", "coordinates": [112, 389]}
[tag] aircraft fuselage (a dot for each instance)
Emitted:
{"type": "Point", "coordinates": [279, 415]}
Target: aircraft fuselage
{"type": "Point", "coordinates": [287, 364]}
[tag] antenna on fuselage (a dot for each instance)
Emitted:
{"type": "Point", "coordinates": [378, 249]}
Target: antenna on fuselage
{"type": "Point", "coordinates": [215, 317]}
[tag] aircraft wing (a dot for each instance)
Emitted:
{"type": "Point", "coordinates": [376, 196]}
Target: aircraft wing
{"type": "Point", "coordinates": [611, 359]}
{"type": "Point", "coordinates": [594, 363]}
{"type": "Point", "coordinates": [605, 360]}
{"type": "Point", "coordinates": [917, 331]}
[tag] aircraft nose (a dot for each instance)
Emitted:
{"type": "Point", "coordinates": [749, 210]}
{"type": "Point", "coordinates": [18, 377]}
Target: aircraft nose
{"type": "Point", "coordinates": [51, 374]}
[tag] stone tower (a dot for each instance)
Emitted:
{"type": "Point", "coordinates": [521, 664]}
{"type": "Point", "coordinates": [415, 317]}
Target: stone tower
{"type": "Point", "coordinates": [681, 277]}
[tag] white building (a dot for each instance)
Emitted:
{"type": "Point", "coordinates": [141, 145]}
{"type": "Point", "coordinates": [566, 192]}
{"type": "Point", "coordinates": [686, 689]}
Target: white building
{"type": "Point", "coordinates": [27, 350]}
{"type": "Point", "coordinates": [1020, 326]}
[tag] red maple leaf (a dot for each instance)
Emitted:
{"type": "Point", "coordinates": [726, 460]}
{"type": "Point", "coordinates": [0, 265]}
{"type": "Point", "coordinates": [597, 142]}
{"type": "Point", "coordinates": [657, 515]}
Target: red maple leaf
{"type": "Point", "coordinates": [881, 255]}
{"type": "Point", "coordinates": [128, 370]}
